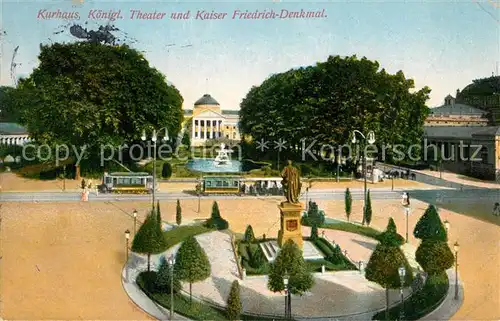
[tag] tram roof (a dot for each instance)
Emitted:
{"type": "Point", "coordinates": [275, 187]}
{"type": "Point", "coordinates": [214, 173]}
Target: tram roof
{"type": "Point", "coordinates": [129, 174]}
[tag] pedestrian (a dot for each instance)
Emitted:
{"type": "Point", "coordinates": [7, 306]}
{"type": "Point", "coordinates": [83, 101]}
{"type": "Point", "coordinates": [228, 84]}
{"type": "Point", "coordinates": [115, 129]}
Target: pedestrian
{"type": "Point", "coordinates": [496, 209]}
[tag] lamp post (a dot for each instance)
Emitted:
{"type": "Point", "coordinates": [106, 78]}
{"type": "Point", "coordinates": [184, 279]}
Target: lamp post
{"type": "Point", "coordinates": [154, 138]}
{"type": "Point", "coordinates": [407, 212]}
{"type": "Point", "coordinates": [402, 274]}
{"type": "Point", "coordinates": [456, 247]}
{"type": "Point", "coordinates": [135, 221]}
{"type": "Point", "coordinates": [171, 262]}
{"type": "Point", "coordinates": [287, 297]}
{"type": "Point", "coordinates": [392, 181]}
{"type": "Point", "coordinates": [370, 139]}
{"type": "Point", "coordinates": [127, 237]}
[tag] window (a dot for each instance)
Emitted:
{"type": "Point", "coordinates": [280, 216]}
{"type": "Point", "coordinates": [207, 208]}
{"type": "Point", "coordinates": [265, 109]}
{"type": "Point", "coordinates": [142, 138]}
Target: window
{"type": "Point", "coordinates": [202, 133]}
{"type": "Point", "coordinates": [202, 123]}
{"type": "Point", "coordinates": [196, 122]}
{"type": "Point", "coordinates": [484, 155]}
{"type": "Point", "coordinates": [214, 123]}
{"type": "Point", "coordinates": [108, 180]}
{"type": "Point", "coordinates": [196, 134]}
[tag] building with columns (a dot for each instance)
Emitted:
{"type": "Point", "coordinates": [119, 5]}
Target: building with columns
{"type": "Point", "coordinates": [13, 134]}
{"type": "Point", "coordinates": [207, 121]}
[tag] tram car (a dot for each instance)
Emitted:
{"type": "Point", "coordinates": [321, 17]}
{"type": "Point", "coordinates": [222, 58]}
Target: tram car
{"type": "Point", "coordinates": [221, 185]}
{"type": "Point", "coordinates": [133, 183]}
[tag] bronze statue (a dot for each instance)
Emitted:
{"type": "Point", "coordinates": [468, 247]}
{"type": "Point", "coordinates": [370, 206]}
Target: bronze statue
{"type": "Point", "coordinates": [291, 183]}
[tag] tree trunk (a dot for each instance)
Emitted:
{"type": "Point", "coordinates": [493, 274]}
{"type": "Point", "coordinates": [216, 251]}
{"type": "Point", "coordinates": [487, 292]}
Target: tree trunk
{"type": "Point", "coordinates": [387, 303]}
{"type": "Point", "coordinates": [190, 292]}
{"type": "Point", "coordinates": [149, 262]}
{"type": "Point", "coordinates": [77, 172]}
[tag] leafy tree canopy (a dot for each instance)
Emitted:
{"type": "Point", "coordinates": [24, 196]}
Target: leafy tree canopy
{"type": "Point", "coordinates": [430, 227]}
{"type": "Point", "coordinates": [148, 240]}
{"type": "Point", "coordinates": [93, 94]}
{"type": "Point", "coordinates": [390, 236]}
{"type": "Point", "coordinates": [291, 261]}
{"type": "Point", "coordinates": [8, 110]}
{"type": "Point", "coordinates": [434, 256]}
{"type": "Point", "coordinates": [324, 102]}
{"type": "Point", "coordinates": [192, 264]}
{"type": "Point", "coordinates": [383, 267]}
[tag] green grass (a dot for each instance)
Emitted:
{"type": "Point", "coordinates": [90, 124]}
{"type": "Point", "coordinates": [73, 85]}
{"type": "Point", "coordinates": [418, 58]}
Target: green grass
{"type": "Point", "coordinates": [180, 233]}
{"type": "Point", "coordinates": [312, 265]}
{"type": "Point", "coordinates": [353, 228]}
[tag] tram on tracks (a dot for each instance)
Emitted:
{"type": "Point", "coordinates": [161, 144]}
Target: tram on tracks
{"type": "Point", "coordinates": [127, 183]}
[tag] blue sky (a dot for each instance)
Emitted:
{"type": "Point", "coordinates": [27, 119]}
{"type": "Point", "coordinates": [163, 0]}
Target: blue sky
{"type": "Point", "coordinates": [441, 44]}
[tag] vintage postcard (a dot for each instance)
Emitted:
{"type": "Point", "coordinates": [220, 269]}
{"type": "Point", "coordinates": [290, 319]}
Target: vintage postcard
{"type": "Point", "coordinates": [249, 160]}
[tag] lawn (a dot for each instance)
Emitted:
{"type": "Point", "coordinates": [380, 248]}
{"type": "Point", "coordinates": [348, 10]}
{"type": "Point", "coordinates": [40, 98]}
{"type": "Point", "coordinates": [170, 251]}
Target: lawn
{"type": "Point", "coordinates": [180, 233]}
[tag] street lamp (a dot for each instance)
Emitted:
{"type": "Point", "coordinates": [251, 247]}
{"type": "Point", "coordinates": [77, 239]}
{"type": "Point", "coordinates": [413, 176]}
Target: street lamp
{"type": "Point", "coordinates": [287, 297]}
{"type": "Point", "coordinates": [370, 139]}
{"type": "Point", "coordinates": [456, 247]}
{"type": "Point", "coordinates": [127, 237]}
{"type": "Point", "coordinates": [407, 212]}
{"type": "Point", "coordinates": [64, 178]}
{"type": "Point", "coordinates": [154, 138]}
{"type": "Point", "coordinates": [171, 262]}
{"type": "Point", "coordinates": [402, 274]}
{"type": "Point", "coordinates": [135, 221]}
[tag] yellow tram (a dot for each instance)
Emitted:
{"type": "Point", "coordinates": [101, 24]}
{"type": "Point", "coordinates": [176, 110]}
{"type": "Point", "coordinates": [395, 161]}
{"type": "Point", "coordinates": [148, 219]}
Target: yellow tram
{"type": "Point", "coordinates": [134, 183]}
{"type": "Point", "coordinates": [221, 184]}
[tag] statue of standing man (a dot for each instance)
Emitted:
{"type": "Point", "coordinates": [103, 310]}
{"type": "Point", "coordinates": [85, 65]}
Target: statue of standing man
{"type": "Point", "coordinates": [291, 183]}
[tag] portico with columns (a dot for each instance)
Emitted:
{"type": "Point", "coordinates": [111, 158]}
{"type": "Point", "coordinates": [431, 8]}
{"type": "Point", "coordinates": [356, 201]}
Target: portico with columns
{"type": "Point", "coordinates": [13, 134]}
{"type": "Point", "coordinates": [208, 121]}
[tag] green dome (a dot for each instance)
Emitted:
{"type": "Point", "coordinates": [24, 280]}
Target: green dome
{"type": "Point", "coordinates": [206, 100]}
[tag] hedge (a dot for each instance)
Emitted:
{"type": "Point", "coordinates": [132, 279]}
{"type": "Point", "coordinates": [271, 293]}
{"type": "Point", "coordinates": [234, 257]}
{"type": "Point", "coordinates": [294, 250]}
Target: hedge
{"type": "Point", "coordinates": [422, 302]}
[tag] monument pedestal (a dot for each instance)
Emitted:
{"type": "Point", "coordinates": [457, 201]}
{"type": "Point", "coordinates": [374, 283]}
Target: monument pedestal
{"type": "Point", "coordinates": [291, 227]}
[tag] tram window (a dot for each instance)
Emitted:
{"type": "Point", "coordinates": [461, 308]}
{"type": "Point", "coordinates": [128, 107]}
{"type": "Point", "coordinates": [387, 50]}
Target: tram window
{"type": "Point", "coordinates": [219, 183]}
{"type": "Point", "coordinates": [235, 183]}
{"type": "Point", "coordinates": [135, 181]}
{"type": "Point", "coordinates": [226, 183]}
{"type": "Point", "coordinates": [108, 180]}
{"type": "Point", "coordinates": [209, 183]}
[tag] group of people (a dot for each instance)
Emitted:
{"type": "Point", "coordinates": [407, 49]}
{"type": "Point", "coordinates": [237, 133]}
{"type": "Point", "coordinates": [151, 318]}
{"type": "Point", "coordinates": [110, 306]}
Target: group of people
{"type": "Point", "coordinates": [262, 188]}
{"type": "Point", "coordinates": [496, 209]}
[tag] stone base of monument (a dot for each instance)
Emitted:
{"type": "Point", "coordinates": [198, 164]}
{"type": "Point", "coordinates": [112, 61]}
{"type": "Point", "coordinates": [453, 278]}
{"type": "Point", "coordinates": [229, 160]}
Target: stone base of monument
{"type": "Point", "coordinates": [271, 250]}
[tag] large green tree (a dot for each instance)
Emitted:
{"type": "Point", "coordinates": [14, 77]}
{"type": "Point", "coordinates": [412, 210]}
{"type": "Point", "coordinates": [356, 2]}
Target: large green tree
{"type": "Point", "coordinates": [383, 268]}
{"type": "Point", "coordinates": [191, 263]}
{"type": "Point", "coordinates": [148, 240]}
{"type": "Point", "coordinates": [290, 261]}
{"type": "Point", "coordinates": [430, 227]}
{"type": "Point", "coordinates": [324, 102]}
{"type": "Point", "coordinates": [434, 256]}
{"type": "Point", "coordinates": [9, 112]}
{"type": "Point", "coordinates": [94, 94]}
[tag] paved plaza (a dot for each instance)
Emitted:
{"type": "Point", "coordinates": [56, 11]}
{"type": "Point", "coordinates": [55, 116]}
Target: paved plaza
{"type": "Point", "coordinates": [88, 241]}
{"type": "Point", "coordinates": [334, 293]}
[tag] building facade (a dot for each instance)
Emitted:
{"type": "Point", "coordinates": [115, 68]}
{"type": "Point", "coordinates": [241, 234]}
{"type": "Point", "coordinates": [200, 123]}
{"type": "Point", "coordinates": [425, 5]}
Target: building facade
{"type": "Point", "coordinates": [13, 134]}
{"type": "Point", "coordinates": [207, 121]}
{"type": "Point", "coordinates": [455, 114]}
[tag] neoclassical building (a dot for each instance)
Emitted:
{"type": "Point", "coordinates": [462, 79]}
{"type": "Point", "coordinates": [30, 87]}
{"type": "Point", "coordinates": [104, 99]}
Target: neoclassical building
{"type": "Point", "coordinates": [465, 138]}
{"type": "Point", "coordinates": [456, 114]}
{"type": "Point", "coordinates": [13, 134]}
{"type": "Point", "coordinates": [207, 121]}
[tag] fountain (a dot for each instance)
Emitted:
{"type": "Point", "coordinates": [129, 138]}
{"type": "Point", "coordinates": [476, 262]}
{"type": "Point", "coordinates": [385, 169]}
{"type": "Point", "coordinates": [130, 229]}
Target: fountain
{"type": "Point", "coordinates": [222, 159]}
